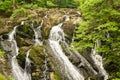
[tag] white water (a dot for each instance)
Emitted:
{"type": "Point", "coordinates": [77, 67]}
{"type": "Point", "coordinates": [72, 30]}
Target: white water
{"type": "Point", "coordinates": [46, 68]}
{"type": "Point", "coordinates": [99, 64]}
{"type": "Point", "coordinates": [37, 32]}
{"type": "Point", "coordinates": [67, 18]}
{"type": "Point", "coordinates": [17, 71]}
{"type": "Point", "coordinates": [56, 36]}
{"type": "Point", "coordinates": [27, 66]}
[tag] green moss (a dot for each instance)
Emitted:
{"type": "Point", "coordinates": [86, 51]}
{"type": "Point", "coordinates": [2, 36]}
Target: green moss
{"type": "Point", "coordinates": [45, 33]}
{"type": "Point", "coordinates": [37, 57]}
{"type": "Point", "coordinates": [2, 77]}
{"type": "Point", "coordinates": [11, 78]}
{"type": "Point", "coordinates": [21, 58]}
{"type": "Point", "coordinates": [57, 77]}
{"type": "Point", "coordinates": [1, 24]}
{"type": "Point", "coordinates": [2, 53]}
{"type": "Point", "coordinates": [37, 54]}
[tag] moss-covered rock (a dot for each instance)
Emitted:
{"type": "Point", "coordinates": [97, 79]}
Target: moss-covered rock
{"type": "Point", "coordinates": [4, 68]}
{"type": "Point", "coordinates": [54, 76]}
{"type": "Point", "coordinates": [5, 25]}
{"type": "Point", "coordinates": [68, 28]}
{"type": "Point", "coordinates": [37, 57]}
{"type": "Point", "coordinates": [24, 35]}
{"type": "Point", "coordinates": [54, 17]}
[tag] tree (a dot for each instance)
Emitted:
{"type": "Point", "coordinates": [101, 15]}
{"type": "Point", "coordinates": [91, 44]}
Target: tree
{"type": "Point", "coordinates": [101, 23]}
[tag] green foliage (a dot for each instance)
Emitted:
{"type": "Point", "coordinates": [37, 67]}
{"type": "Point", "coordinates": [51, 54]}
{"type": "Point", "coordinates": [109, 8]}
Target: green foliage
{"type": "Point", "coordinates": [101, 22]}
{"type": "Point", "coordinates": [5, 7]}
{"type": "Point", "coordinates": [27, 6]}
{"type": "Point", "coordinates": [50, 4]}
{"type": "Point", "coordinates": [18, 13]}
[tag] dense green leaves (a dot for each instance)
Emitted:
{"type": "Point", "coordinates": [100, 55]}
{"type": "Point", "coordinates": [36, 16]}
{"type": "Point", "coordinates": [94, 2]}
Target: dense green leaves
{"type": "Point", "coordinates": [8, 6]}
{"type": "Point", "coordinates": [101, 23]}
{"type": "Point", "coordinates": [5, 6]}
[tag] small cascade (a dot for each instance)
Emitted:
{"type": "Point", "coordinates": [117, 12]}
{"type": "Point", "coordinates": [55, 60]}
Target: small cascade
{"type": "Point", "coordinates": [17, 71]}
{"type": "Point", "coordinates": [67, 68]}
{"type": "Point", "coordinates": [46, 68]}
{"type": "Point", "coordinates": [27, 66]}
{"type": "Point", "coordinates": [97, 59]}
{"type": "Point", "coordinates": [67, 18]}
{"type": "Point", "coordinates": [38, 36]}
{"type": "Point", "coordinates": [46, 16]}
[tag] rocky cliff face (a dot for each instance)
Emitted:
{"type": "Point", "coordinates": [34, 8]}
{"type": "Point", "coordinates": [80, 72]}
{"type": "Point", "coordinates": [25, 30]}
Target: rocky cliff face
{"type": "Point", "coordinates": [25, 39]}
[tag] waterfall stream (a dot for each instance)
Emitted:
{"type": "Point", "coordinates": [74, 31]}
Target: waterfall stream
{"type": "Point", "coordinates": [17, 71]}
{"type": "Point", "coordinates": [56, 36]}
{"type": "Point", "coordinates": [37, 32]}
{"type": "Point", "coordinates": [97, 59]}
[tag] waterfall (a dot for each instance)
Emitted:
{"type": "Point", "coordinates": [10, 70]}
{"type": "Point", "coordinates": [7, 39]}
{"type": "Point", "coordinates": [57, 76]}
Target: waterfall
{"type": "Point", "coordinates": [37, 34]}
{"type": "Point", "coordinates": [16, 69]}
{"type": "Point", "coordinates": [97, 59]}
{"type": "Point", "coordinates": [27, 66]}
{"type": "Point", "coordinates": [12, 49]}
{"type": "Point", "coordinates": [46, 68]}
{"type": "Point", "coordinates": [68, 69]}
{"type": "Point", "coordinates": [67, 18]}
{"type": "Point", "coordinates": [18, 72]}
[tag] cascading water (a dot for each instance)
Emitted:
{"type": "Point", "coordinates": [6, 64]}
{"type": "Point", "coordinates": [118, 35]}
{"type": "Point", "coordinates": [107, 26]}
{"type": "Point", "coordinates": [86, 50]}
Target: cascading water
{"type": "Point", "coordinates": [46, 68]}
{"type": "Point", "coordinates": [97, 59]}
{"type": "Point", "coordinates": [56, 36]}
{"type": "Point", "coordinates": [17, 71]}
{"type": "Point", "coordinates": [27, 66]}
{"type": "Point", "coordinates": [37, 32]}
{"type": "Point", "coordinates": [67, 18]}
{"type": "Point", "coordinates": [38, 42]}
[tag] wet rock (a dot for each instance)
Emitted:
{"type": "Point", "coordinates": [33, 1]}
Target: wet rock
{"type": "Point", "coordinates": [5, 36]}
{"type": "Point", "coordinates": [68, 28]}
{"type": "Point", "coordinates": [4, 67]}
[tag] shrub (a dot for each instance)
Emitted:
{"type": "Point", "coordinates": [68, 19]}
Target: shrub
{"type": "Point", "coordinates": [18, 13]}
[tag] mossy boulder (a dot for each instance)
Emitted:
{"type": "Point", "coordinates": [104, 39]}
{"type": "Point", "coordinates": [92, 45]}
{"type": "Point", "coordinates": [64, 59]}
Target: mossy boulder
{"type": "Point", "coordinates": [37, 56]}
{"type": "Point", "coordinates": [5, 25]}
{"type": "Point", "coordinates": [24, 35]}
{"type": "Point", "coordinates": [4, 68]}
{"type": "Point", "coordinates": [68, 28]}
{"type": "Point", "coordinates": [53, 18]}
{"type": "Point", "coordinates": [22, 55]}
